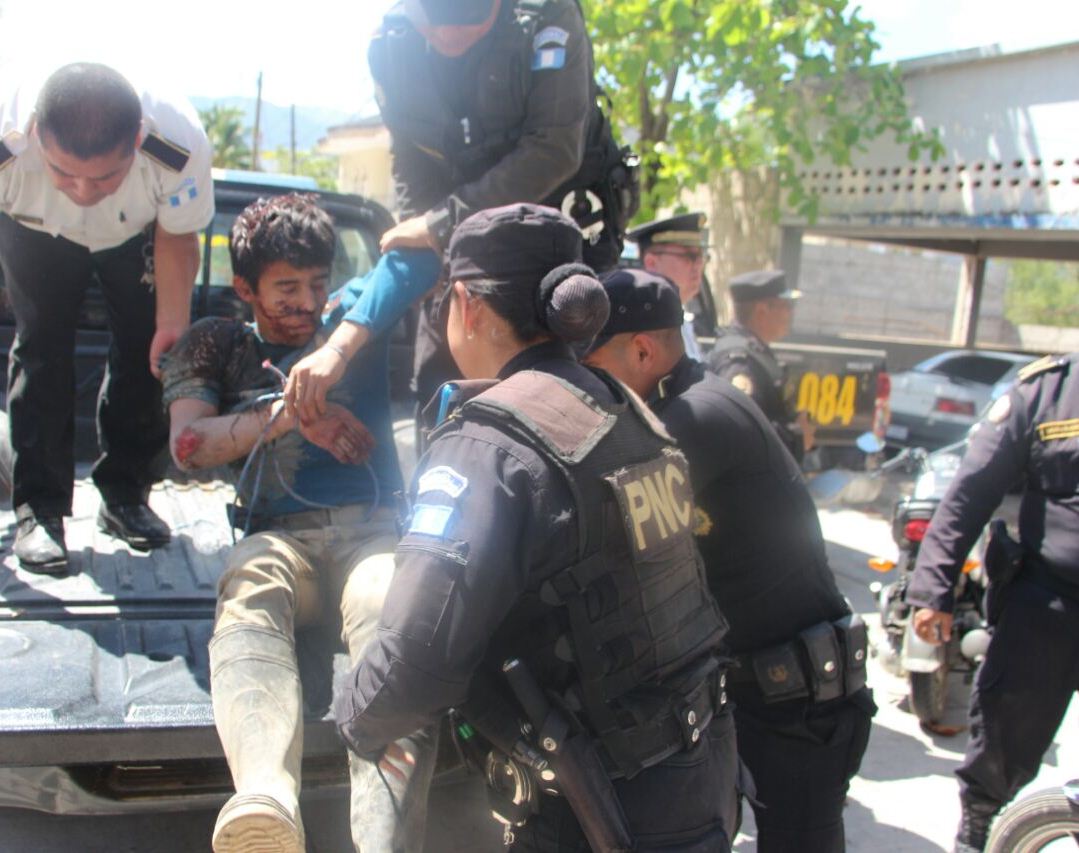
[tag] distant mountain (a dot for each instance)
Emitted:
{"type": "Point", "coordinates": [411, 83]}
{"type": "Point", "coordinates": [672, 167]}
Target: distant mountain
{"type": "Point", "coordinates": [311, 122]}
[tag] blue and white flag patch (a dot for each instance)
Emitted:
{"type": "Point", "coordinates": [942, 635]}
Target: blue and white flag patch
{"type": "Point", "coordinates": [430, 520]}
{"type": "Point", "coordinates": [549, 59]}
{"type": "Point", "coordinates": [187, 191]}
{"type": "Point", "coordinates": [549, 49]}
{"type": "Point", "coordinates": [442, 478]}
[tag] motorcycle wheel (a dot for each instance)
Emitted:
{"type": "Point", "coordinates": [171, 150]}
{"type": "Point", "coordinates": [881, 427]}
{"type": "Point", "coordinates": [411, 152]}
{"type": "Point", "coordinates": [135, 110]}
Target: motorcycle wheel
{"type": "Point", "coordinates": [1035, 822]}
{"type": "Point", "coordinates": [929, 694]}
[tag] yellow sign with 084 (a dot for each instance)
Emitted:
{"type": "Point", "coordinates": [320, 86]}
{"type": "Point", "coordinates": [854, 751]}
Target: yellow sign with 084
{"type": "Point", "coordinates": [827, 397]}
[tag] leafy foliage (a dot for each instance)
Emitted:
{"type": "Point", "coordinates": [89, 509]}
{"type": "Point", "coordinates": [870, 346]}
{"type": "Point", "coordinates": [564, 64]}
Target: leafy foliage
{"type": "Point", "coordinates": [228, 136]}
{"type": "Point", "coordinates": [1044, 293]}
{"type": "Point", "coordinates": [318, 166]}
{"type": "Point", "coordinates": [719, 85]}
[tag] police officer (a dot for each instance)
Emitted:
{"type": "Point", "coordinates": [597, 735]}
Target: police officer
{"type": "Point", "coordinates": [97, 180]}
{"type": "Point", "coordinates": [677, 248]}
{"type": "Point", "coordinates": [801, 708]}
{"type": "Point", "coordinates": [763, 309]}
{"type": "Point", "coordinates": [551, 524]}
{"type": "Point", "coordinates": [1031, 669]}
{"type": "Point", "coordinates": [490, 102]}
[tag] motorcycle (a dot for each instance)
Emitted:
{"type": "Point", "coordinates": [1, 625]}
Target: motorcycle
{"type": "Point", "coordinates": [1036, 821]}
{"type": "Point", "coordinates": [901, 651]}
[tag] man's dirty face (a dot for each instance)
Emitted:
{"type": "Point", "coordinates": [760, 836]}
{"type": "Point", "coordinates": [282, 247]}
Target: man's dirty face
{"type": "Point", "coordinates": [288, 303]}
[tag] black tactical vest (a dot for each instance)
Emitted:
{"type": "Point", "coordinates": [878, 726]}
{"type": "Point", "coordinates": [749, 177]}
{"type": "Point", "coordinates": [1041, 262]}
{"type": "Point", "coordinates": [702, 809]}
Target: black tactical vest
{"type": "Point", "coordinates": [631, 621]}
{"type": "Point", "coordinates": [466, 143]}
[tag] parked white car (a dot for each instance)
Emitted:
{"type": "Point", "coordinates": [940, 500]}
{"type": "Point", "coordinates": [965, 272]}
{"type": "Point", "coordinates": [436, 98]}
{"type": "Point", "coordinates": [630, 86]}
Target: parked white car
{"type": "Point", "coordinates": [939, 399]}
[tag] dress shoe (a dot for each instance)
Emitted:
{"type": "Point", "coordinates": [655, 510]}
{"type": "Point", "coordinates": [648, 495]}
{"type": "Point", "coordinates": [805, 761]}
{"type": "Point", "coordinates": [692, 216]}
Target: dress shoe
{"type": "Point", "coordinates": [137, 524]}
{"type": "Point", "coordinates": [39, 544]}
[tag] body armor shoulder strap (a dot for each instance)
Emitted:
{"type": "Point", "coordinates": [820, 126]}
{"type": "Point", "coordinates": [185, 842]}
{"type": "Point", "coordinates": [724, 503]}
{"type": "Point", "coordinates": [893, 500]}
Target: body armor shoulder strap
{"type": "Point", "coordinates": [565, 420]}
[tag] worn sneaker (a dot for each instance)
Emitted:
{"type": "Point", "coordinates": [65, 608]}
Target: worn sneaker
{"type": "Point", "coordinates": [39, 543]}
{"type": "Point", "coordinates": [137, 524]}
{"type": "Point", "coordinates": [255, 823]}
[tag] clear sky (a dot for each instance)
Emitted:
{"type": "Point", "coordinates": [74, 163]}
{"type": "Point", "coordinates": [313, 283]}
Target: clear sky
{"type": "Point", "coordinates": [313, 52]}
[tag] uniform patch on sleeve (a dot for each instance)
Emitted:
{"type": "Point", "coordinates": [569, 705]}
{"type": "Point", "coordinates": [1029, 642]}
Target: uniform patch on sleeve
{"type": "Point", "coordinates": [549, 49]}
{"type": "Point", "coordinates": [431, 520]}
{"type": "Point", "coordinates": [550, 36]}
{"type": "Point", "coordinates": [187, 191]}
{"type": "Point", "coordinates": [549, 59]}
{"type": "Point", "coordinates": [442, 478]}
{"type": "Point", "coordinates": [743, 383]}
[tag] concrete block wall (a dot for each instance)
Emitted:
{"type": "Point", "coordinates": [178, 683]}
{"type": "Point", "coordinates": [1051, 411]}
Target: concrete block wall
{"type": "Point", "coordinates": [853, 288]}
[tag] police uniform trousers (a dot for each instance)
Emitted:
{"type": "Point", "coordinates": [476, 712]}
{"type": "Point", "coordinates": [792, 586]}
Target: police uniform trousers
{"type": "Point", "coordinates": [686, 804]}
{"type": "Point", "coordinates": [802, 756]}
{"type": "Point", "coordinates": [46, 282]}
{"type": "Point", "coordinates": [1021, 692]}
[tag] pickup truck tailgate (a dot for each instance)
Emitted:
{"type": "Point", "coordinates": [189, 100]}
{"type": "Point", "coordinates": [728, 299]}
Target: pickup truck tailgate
{"type": "Point", "coordinates": [110, 662]}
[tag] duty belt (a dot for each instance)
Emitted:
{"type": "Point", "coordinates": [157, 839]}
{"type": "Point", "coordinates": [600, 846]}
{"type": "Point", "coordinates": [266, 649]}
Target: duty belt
{"type": "Point", "coordinates": [824, 662]}
{"type": "Point", "coordinates": [656, 740]}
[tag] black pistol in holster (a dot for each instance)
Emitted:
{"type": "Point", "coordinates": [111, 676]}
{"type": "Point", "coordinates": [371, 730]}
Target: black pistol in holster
{"type": "Point", "coordinates": [1003, 562]}
{"type": "Point", "coordinates": [574, 767]}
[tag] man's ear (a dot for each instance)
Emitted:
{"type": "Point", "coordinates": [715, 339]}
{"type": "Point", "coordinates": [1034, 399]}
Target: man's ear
{"type": "Point", "coordinates": [644, 349]}
{"type": "Point", "coordinates": [648, 260]}
{"type": "Point", "coordinates": [243, 289]}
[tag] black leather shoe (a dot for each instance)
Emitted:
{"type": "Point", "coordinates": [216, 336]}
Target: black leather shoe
{"type": "Point", "coordinates": [137, 524]}
{"type": "Point", "coordinates": [39, 544]}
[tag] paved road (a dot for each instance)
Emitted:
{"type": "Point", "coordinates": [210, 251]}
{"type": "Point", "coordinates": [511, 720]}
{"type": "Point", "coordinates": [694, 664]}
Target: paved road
{"type": "Point", "coordinates": [903, 800]}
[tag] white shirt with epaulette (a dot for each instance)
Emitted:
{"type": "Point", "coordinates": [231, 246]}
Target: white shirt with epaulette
{"type": "Point", "coordinates": [169, 180]}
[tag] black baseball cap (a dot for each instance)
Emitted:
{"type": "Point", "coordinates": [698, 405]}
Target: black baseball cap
{"type": "Point", "coordinates": [641, 301]}
{"type": "Point", "coordinates": [448, 13]}
{"type": "Point", "coordinates": [514, 243]}
{"type": "Point", "coordinates": [761, 284]}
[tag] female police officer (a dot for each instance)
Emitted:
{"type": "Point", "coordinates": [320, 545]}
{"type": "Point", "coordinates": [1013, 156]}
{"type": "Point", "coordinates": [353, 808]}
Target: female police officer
{"type": "Point", "coordinates": [551, 525]}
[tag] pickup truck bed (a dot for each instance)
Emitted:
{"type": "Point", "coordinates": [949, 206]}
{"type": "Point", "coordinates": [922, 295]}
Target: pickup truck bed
{"type": "Point", "coordinates": [104, 676]}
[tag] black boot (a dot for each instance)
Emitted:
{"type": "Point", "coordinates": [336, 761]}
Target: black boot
{"type": "Point", "coordinates": [973, 826]}
{"type": "Point", "coordinates": [39, 542]}
{"type": "Point", "coordinates": [137, 524]}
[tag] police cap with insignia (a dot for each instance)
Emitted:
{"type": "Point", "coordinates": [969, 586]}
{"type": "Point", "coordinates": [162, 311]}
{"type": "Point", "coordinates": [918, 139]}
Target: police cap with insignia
{"type": "Point", "coordinates": [448, 13]}
{"type": "Point", "coordinates": [686, 229]}
{"type": "Point", "coordinates": [761, 284]}
{"type": "Point", "coordinates": [641, 301]}
{"type": "Point", "coordinates": [529, 257]}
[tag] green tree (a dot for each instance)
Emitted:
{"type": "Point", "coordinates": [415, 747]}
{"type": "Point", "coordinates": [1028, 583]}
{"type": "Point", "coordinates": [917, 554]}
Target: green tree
{"type": "Point", "coordinates": [228, 136]}
{"type": "Point", "coordinates": [308, 164]}
{"type": "Point", "coordinates": [1043, 293]}
{"type": "Point", "coordinates": [757, 87]}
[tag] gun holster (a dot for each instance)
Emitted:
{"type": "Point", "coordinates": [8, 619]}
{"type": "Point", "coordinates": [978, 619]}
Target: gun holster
{"type": "Point", "coordinates": [1003, 562]}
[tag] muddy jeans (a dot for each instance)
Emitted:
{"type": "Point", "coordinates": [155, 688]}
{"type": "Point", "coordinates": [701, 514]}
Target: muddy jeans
{"type": "Point", "coordinates": [317, 566]}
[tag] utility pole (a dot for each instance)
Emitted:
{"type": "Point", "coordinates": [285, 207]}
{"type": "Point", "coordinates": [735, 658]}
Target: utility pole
{"type": "Point", "coordinates": [292, 139]}
{"type": "Point", "coordinates": [255, 133]}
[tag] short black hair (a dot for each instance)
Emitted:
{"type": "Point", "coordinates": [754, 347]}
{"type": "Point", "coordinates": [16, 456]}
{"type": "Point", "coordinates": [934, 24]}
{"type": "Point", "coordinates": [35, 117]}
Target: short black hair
{"type": "Point", "coordinates": [290, 228]}
{"type": "Point", "coordinates": [89, 110]}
